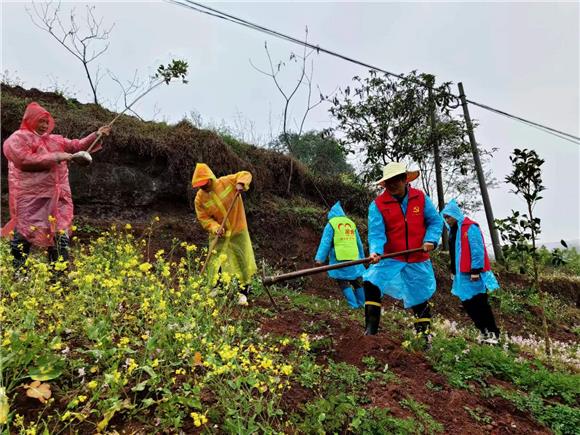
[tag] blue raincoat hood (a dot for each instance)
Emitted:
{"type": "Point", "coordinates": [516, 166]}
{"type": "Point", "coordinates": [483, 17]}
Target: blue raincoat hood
{"type": "Point", "coordinates": [453, 210]}
{"type": "Point", "coordinates": [336, 211]}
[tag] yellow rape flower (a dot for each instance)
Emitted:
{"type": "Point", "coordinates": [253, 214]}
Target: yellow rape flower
{"type": "Point", "coordinates": [144, 267]}
{"type": "Point", "coordinates": [198, 419]}
{"type": "Point", "coordinates": [92, 385]}
{"type": "Point", "coordinates": [305, 341]}
{"type": "Point", "coordinates": [131, 365]}
{"type": "Point", "coordinates": [266, 363]}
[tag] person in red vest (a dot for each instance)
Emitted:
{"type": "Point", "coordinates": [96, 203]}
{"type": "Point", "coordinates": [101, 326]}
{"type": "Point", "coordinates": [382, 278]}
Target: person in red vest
{"type": "Point", "coordinates": [471, 271]}
{"type": "Point", "coordinates": [401, 218]}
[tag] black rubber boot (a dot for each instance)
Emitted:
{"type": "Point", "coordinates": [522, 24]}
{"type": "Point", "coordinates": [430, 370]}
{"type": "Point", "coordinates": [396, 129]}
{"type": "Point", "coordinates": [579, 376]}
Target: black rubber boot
{"type": "Point", "coordinates": [20, 249]}
{"type": "Point", "coordinates": [422, 324]}
{"type": "Point", "coordinates": [372, 319]}
{"type": "Point", "coordinates": [56, 253]}
{"type": "Point", "coordinates": [372, 308]}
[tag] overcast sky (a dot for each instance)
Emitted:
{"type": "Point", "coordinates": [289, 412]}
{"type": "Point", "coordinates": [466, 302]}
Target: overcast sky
{"type": "Point", "coordinates": [522, 58]}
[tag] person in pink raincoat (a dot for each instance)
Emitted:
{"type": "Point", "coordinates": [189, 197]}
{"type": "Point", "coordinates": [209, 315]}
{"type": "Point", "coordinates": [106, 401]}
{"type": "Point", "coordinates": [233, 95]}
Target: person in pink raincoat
{"type": "Point", "coordinates": [40, 201]}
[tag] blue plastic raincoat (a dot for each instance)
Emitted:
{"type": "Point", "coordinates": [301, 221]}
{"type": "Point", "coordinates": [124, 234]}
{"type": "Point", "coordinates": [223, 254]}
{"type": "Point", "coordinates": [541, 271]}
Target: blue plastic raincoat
{"type": "Point", "coordinates": [462, 286]}
{"type": "Point", "coordinates": [414, 283]}
{"type": "Point", "coordinates": [326, 249]}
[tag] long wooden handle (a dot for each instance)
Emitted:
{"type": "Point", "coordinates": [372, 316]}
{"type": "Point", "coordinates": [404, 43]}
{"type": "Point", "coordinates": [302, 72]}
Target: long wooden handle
{"type": "Point", "coordinates": [124, 110]}
{"type": "Point", "coordinates": [216, 238]}
{"type": "Point", "coordinates": [269, 280]}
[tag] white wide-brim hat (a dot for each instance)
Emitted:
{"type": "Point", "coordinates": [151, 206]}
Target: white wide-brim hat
{"type": "Point", "coordinates": [395, 168]}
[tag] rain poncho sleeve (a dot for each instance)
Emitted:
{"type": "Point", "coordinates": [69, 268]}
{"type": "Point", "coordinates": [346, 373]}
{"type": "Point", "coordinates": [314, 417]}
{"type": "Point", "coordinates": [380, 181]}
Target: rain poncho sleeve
{"type": "Point", "coordinates": [377, 236]}
{"type": "Point", "coordinates": [325, 244]}
{"type": "Point", "coordinates": [75, 145]}
{"type": "Point", "coordinates": [359, 243]}
{"type": "Point", "coordinates": [242, 177]}
{"type": "Point", "coordinates": [17, 149]}
{"type": "Point", "coordinates": [476, 246]}
{"type": "Point", "coordinates": [433, 223]}
{"type": "Point", "coordinates": [40, 199]}
{"type": "Point", "coordinates": [206, 221]}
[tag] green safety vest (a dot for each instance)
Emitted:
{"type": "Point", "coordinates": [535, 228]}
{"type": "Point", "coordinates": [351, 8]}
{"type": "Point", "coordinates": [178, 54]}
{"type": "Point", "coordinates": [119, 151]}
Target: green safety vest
{"type": "Point", "coordinates": [345, 245]}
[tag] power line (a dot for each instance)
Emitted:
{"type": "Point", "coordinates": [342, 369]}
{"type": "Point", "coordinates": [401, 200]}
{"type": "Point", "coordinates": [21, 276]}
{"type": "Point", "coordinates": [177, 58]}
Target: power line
{"type": "Point", "coordinates": [198, 7]}
{"type": "Point", "coordinates": [546, 129]}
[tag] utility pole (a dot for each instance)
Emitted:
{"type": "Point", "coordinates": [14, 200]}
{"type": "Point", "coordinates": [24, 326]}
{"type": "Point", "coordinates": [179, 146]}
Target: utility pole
{"type": "Point", "coordinates": [481, 178]}
{"type": "Point", "coordinates": [435, 144]}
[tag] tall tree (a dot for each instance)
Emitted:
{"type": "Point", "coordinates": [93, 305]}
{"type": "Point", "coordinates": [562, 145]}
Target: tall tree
{"type": "Point", "coordinates": [520, 231]}
{"type": "Point", "coordinates": [86, 39]}
{"type": "Point", "coordinates": [384, 119]}
{"type": "Point", "coordinates": [304, 80]}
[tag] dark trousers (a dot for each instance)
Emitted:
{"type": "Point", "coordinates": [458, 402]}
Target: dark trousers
{"type": "Point", "coordinates": [345, 283]}
{"type": "Point", "coordinates": [20, 249]}
{"type": "Point", "coordinates": [423, 316]}
{"type": "Point", "coordinates": [421, 311]}
{"type": "Point", "coordinates": [372, 293]}
{"type": "Point", "coordinates": [479, 310]}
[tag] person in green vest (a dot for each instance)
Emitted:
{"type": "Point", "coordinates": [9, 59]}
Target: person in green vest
{"type": "Point", "coordinates": [341, 242]}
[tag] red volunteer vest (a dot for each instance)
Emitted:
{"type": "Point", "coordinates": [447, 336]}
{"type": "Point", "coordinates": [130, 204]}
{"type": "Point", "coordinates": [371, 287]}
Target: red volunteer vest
{"type": "Point", "coordinates": [465, 260]}
{"type": "Point", "coordinates": [404, 231]}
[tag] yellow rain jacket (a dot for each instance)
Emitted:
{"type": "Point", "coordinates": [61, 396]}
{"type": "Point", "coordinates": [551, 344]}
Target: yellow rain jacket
{"type": "Point", "coordinates": [234, 250]}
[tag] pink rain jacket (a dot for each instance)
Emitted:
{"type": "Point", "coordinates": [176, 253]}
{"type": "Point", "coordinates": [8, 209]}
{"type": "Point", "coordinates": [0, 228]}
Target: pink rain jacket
{"type": "Point", "coordinates": [40, 199]}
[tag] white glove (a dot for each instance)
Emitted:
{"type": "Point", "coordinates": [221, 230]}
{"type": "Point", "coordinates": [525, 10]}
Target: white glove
{"type": "Point", "coordinates": [82, 158]}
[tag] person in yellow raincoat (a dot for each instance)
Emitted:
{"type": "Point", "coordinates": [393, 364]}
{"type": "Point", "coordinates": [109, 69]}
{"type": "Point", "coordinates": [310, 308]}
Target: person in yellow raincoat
{"type": "Point", "coordinates": [235, 255]}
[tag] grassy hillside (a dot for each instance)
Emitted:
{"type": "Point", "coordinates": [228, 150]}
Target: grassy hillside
{"type": "Point", "coordinates": [130, 339]}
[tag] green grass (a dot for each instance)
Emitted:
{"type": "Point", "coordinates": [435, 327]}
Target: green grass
{"type": "Point", "coordinates": [536, 388]}
{"type": "Point", "coordinates": [465, 364]}
{"type": "Point", "coordinates": [426, 423]}
{"type": "Point", "coordinates": [560, 418]}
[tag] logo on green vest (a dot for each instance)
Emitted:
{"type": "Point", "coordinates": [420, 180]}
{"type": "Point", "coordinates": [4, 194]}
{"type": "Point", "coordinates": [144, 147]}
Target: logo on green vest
{"type": "Point", "coordinates": [345, 243]}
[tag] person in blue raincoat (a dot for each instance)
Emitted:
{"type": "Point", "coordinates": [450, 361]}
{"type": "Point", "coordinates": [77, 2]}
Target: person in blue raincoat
{"type": "Point", "coordinates": [471, 271]}
{"type": "Point", "coordinates": [341, 242]}
{"type": "Point", "coordinates": [401, 218]}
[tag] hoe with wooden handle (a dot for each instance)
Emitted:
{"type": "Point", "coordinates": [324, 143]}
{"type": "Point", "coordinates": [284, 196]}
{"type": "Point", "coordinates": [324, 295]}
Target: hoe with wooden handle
{"type": "Point", "coordinates": [269, 280]}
